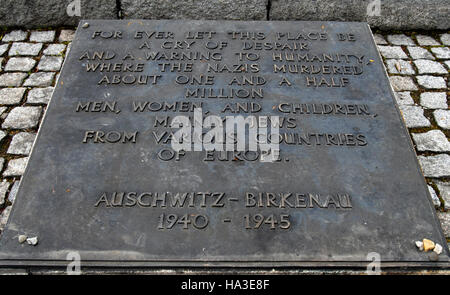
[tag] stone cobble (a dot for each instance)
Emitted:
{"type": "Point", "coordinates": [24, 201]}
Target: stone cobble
{"type": "Point", "coordinates": [418, 66]}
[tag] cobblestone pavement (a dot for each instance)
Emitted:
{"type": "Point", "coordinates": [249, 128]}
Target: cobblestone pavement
{"type": "Point", "coordinates": [418, 66]}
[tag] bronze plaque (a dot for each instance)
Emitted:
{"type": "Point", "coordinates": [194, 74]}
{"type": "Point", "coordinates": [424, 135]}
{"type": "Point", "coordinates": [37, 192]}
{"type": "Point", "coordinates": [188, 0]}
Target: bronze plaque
{"type": "Point", "coordinates": [104, 179]}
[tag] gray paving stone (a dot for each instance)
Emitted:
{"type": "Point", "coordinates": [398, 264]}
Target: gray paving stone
{"type": "Point", "coordinates": [447, 63]}
{"type": "Point", "coordinates": [66, 35]}
{"type": "Point", "coordinates": [379, 39]}
{"type": "Point", "coordinates": [419, 53]}
{"type": "Point", "coordinates": [3, 48]}
{"type": "Point", "coordinates": [42, 36]}
{"type": "Point", "coordinates": [442, 118]}
{"type": "Point", "coordinates": [16, 35]}
{"type": "Point", "coordinates": [414, 117]}
{"type": "Point", "coordinates": [22, 118]}
{"type": "Point", "coordinates": [402, 83]}
{"type": "Point", "coordinates": [434, 197]}
{"type": "Point", "coordinates": [400, 39]}
{"type": "Point", "coordinates": [425, 66]}
{"type": "Point", "coordinates": [2, 135]}
{"type": "Point", "coordinates": [55, 49]}
{"type": "Point", "coordinates": [441, 52]}
{"type": "Point", "coordinates": [2, 112]}
{"type": "Point", "coordinates": [50, 63]}
{"type": "Point", "coordinates": [21, 143]}
{"type": "Point", "coordinates": [431, 82]}
{"type": "Point", "coordinates": [16, 167]}
{"type": "Point", "coordinates": [13, 192]}
{"type": "Point", "coordinates": [445, 39]}
{"type": "Point", "coordinates": [40, 95]}
{"type": "Point", "coordinates": [444, 190]}
{"type": "Point", "coordinates": [399, 66]}
{"type": "Point", "coordinates": [9, 96]}
{"type": "Point", "coordinates": [4, 217]}
{"type": "Point", "coordinates": [404, 98]}
{"type": "Point", "coordinates": [20, 64]}
{"type": "Point", "coordinates": [12, 79]}
{"type": "Point", "coordinates": [392, 52]}
{"type": "Point", "coordinates": [20, 48]}
{"type": "Point", "coordinates": [433, 100]}
{"type": "Point", "coordinates": [40, 79]}
{"type": "Point", "coordinates": [68, 48]}
{"type": "Point", "coordinates": [435, 166]}
{"type": "Point", "coordinates": [4, 186]}
{"type": "Point", "coordinates": [426, 40]}
{"type": "Point", "coordinates": [444, 218]}
{"type": "Point", "coordinates": [57, 78]}
{"type": "Point", "coordinates": [433, 141]}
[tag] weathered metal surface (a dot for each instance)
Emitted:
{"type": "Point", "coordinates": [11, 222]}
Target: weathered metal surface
{"type": "Point", "coordinates": [359, 164]}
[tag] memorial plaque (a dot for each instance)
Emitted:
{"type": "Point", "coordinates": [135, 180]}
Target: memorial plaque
{"type": "Point", "coordinates": [105, 179]}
